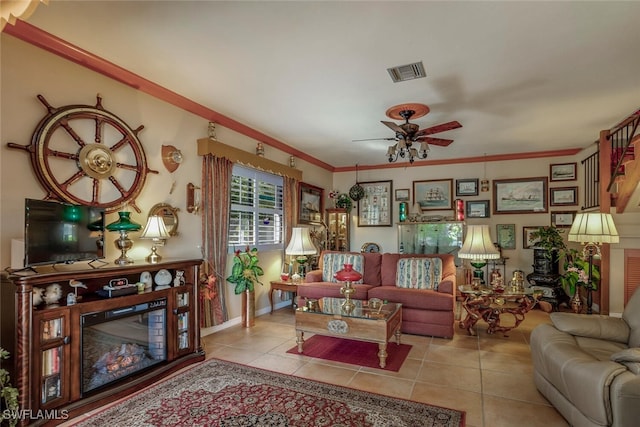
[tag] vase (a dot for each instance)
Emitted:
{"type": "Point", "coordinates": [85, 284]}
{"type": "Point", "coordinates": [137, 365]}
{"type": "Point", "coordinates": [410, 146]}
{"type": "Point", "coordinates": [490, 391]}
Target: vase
{"type": "Point", "coordinates": [248, 309]}
{"type": "Point", "coordinates": [576, 302]}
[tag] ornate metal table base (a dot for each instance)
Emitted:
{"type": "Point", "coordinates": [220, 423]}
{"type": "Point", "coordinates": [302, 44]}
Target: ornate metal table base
{"type": "Point", "coordinates": [490, 307]}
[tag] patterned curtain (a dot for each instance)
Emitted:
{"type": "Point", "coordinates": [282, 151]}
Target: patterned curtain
{"type": "Point", "coordinates": [216, 179]}
{"type": "Point", "coordinates": [290, 207]}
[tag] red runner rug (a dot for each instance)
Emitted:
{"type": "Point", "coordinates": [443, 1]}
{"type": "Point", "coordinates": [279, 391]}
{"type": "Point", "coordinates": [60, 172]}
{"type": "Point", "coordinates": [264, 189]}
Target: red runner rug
{"type": "Point", "coordinates": [220, 393]}
{"type": "Point", "coordinates": [353, 352]}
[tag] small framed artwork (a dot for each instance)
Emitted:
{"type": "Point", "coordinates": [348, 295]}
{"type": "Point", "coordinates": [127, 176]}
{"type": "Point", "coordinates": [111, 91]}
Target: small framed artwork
{"type": "Point", "coordinates": [525, 195]}
{"type": "Point", "coordinates": [309, 203]}
{"type": "Point", "coordinates": [506, 235]}
{"type": "Point", "coordinates": [466, 187]}
{"type": "Point", "coordinates": [402, 195]}
{"type": "Point", "coordinates": [375, 208]}
{"type": "Point", "coordinates": [433, 195]}
{"type": "Point", "coordinates": [564, 196]}
{"type": "Point", "coordinates": [477, 209]}
{"type": "Point", "coordinates": [562, 172]}
{"type": "Point", "coordinates": [527, 242]}
{"type": "Point", "coordinates": [562, 219]}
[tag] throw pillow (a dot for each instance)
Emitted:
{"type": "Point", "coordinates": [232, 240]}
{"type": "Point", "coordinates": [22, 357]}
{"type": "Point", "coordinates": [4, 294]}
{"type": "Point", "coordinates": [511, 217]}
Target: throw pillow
{"type": "Point", "coordinates": [630, 358]}
{"type": "Point", "coordinates": [418, 273]}
{"type": "Point", "coordinates": [334, 262]}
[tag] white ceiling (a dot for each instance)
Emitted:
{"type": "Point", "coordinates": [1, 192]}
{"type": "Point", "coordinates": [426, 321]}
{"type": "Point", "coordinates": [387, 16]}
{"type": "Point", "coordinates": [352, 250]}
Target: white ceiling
{"type": "Point", "coordinates": [519, 76]}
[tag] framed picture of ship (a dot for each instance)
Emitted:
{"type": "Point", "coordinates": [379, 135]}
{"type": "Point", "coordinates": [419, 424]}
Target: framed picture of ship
{"type": "Point", "coordinates": [433, 195]}
{"type": "Point", "coordinates": [525, 195]}
{"type": "Point", "coordinates": [309, 204]}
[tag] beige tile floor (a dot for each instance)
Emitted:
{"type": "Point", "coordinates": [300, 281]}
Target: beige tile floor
{"type": "Point", "coordinates": [488, 376]}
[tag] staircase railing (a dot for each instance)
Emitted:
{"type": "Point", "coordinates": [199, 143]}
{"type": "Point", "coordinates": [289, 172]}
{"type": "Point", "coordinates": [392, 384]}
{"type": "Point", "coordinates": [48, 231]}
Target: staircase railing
{"type": "Point", "coordinates": [620, 137]}
{"type": "Point", "coordinates": [591, 167]}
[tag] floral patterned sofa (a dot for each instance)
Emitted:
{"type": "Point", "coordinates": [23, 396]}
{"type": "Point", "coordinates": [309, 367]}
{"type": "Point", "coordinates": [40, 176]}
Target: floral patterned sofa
{"type": "Point", "coordinates": [425, 285]}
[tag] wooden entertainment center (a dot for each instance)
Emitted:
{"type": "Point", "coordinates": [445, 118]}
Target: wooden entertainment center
{"type": "Point", "coordinates": [46, 341]}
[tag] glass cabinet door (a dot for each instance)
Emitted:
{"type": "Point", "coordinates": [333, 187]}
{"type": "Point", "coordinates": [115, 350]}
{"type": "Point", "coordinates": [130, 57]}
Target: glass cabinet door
{"type": "Point", "coordinates": [431, 238]}
{"type": "Point", "coordinates": [183, 319]}
{"type": "Point", "coordinates": [338, 230]}
{"type": "Point", "coordinates": [52, 347]}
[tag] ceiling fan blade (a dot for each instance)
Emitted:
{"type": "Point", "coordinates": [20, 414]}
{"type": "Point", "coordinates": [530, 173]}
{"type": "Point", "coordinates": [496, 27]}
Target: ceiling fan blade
{"type": "Point", "coordinates": [373, 139]}
{"type": "Point", "coordinates": [434, 141]}
{"type": "Point", "coordinates": [439, 128]}
{"type": "Point", "coordinates": [394, 127]}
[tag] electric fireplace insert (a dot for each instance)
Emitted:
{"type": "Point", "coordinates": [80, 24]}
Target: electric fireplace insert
{"type": "Point", "coordinates": [122, 342]}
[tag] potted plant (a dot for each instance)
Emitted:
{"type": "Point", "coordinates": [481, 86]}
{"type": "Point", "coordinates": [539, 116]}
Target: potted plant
{"type": "Point", "coordinates": [244, 274]}
{"type": "Point", "coordinates": [576, 275]}
{"type": "Point", "coordinates": [8, 394]}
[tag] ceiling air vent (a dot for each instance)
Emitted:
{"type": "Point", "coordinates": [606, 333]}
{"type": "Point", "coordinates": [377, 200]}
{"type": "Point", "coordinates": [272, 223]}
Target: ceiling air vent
{"type": "Point", "coordinates": [407, 72]}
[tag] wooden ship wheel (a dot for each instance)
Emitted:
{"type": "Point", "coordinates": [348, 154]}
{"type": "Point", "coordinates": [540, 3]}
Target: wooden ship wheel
{"type": "Point", "coordinates": [85, 155]}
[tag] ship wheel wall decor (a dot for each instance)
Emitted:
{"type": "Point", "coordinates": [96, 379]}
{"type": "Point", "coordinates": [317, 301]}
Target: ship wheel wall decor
{"type": "Point", "coordinates": [85, 155]}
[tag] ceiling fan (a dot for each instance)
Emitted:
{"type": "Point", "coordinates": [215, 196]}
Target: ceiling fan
{"type": "Point", "coordinates": [409, 133]}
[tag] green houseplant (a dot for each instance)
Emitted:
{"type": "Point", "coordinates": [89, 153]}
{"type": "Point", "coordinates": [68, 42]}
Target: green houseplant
{"type": "Point", "coordinates": [8, 394]}
{"type": "Point", "coordinates": [245, 271]}
{"type": "Point", "coordinates": [244, 274]}
{"type": "Point", "coordinates": [549, 239]}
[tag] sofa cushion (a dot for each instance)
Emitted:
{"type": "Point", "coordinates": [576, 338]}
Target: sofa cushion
{"type": "Point", "coordinates": [390, 263]}
{"type": "Point", "coordinates": [592, 326]}
{"type": "Point", "coordinates": [630, 358]}
{"type": "Point", "coordinates": [631, 315]}
{"type": "Point", "coordinates": [332, 262]}
{"type": "Point", "coordinates": [419, 273]}
{"type": "Point", "coordinates": [372, 262]}
{"type": "Point", "coordinates": [424, 299]}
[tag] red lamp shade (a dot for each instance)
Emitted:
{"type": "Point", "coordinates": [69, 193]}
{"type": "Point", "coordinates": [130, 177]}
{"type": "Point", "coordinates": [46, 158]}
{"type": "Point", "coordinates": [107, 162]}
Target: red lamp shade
{"type": "Point", "coordinates": [348, 274]}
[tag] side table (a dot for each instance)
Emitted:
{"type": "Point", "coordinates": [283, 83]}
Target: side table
{"type": "Point", "coordinates": [283, 286]}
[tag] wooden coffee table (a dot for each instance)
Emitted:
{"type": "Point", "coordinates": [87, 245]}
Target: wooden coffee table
{"type": "Point", "coordinates": [362, 324]}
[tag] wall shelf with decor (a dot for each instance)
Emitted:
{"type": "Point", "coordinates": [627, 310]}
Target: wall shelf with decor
{"type": "Point", "coordinates": [63, 357]}
{"type": "Point", "coordinates": [444, 237]}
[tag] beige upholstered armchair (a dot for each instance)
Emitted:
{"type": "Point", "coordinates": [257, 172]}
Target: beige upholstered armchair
{"type": "Point", "coordinates": [588, 366]}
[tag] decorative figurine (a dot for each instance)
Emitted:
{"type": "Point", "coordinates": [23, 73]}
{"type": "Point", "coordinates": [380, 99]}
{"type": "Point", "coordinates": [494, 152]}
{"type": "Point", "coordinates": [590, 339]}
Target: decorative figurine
{"type": "Point", "coordinates": [146, 278]}
{"type": "Point", "coordinates": [37, 296]}
{"type": "Point", "coordinates": [71, 298]}
{"type": "Point", "coordinates": [179, 279]}
{"type": "Point", "coordinates": [53, 294]}
{"type": "Point", "coordinates": [75, 284]}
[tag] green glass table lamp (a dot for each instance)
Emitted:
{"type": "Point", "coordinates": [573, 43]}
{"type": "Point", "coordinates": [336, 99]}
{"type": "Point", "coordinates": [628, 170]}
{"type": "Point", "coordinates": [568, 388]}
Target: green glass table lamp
{"type": "Point", "coordinates": [123, 225]}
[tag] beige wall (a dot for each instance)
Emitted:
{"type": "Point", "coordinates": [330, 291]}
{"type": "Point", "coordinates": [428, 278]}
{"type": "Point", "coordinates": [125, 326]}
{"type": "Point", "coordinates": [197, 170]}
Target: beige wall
{"type": "Point", "coordinates": [28, 71]}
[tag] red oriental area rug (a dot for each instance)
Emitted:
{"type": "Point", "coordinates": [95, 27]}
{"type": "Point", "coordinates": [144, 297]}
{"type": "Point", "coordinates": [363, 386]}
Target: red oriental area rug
{"type": "Point", "coordinates": [220, 393]}
{"type": "Point", "coordinates": [353, 352]}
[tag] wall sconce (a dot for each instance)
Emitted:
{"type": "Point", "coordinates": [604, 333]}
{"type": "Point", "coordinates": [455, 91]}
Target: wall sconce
{"type": "Point", "coordinates": [193, 198]}
{"type": "Point", "coordinates": [260, 149]}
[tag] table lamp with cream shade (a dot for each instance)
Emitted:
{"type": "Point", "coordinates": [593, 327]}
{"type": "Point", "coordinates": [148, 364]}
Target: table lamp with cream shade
{"type": "Point", "coordinates": [300, 245]}
{"type": "Point", "coordinates": [156, 231]}
{"type": "Point", "coordinates": [592, 229]}
{"type": "Point", "coordinates": [478, 248]}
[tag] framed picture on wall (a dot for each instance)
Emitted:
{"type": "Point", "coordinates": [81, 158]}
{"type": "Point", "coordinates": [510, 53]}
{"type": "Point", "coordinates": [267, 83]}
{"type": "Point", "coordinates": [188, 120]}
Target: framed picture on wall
{"type": "Point", "coordinates": [527, 243]}
{"type": "Point", "coordinates": [309, 203]}
{"type": "Point", "coordinates": [506, 235]}
{"type": "Point", "coordinates": [524, 195]}
{"type": "Point", "coordinates": [477, 209]}
{"type": "Point", "coordinates": [402, 195]}
{"type": "Point", "coordinates": [433, 194]}
{"type": "Point", "coordinates": [562, 172]}
{"type": "Point", "coordinates": [562, 219]}
{"type": "Point", "coordinates": [564, 196]}
{"type": "Point", "coordinates": [375, 208]}
{"type": "Point", "coordinates": [467, 187]}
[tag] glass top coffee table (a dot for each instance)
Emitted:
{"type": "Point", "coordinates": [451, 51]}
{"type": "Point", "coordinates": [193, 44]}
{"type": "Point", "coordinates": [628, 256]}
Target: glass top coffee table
{"type": "Point", "coordinates": [490, 304]}
{"type": "Point", "coordinates": [369, 322]}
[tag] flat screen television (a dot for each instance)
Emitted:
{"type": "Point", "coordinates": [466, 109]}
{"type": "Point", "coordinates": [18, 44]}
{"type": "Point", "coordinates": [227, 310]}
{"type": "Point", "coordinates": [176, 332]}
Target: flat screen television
{"type": "Point", "coordinates": [56, 232]}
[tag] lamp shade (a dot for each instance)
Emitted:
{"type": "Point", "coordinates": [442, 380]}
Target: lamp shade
{"type": "Point", "coordinates": [593, 227]}
{"type": "Point", "coordinates": [300, 243]}
{"type": "Point", "coordinates": [123, 223]}
{"type": "Point", "coordinates": [155, 229]}
{"type": "Point", "coordinates": [478, 245]}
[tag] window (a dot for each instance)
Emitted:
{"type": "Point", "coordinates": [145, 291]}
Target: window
{"type": "Point", "coordinates": [256, 217]}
